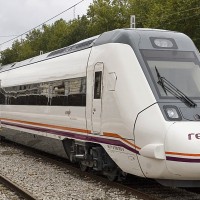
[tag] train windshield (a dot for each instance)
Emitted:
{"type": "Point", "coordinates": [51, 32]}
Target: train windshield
{"type": "Point", "coordinates": [181, 69]}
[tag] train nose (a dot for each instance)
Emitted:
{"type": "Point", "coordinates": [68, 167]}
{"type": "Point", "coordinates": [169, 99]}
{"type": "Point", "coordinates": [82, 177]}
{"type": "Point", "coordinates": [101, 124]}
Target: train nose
{"type": "Point", "coordinates": [182, 149]}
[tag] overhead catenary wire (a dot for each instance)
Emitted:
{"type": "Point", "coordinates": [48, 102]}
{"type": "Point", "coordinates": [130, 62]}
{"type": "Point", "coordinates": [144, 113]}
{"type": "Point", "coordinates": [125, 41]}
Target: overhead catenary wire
{"type": "Point", "coordinates": [20, 35]}
{"type": "Point", "coordinates": [181, 19]}
{"type": "Point", "coordinates": [182, 11]}
{"type": "Point", "coordinates": [163, 17]}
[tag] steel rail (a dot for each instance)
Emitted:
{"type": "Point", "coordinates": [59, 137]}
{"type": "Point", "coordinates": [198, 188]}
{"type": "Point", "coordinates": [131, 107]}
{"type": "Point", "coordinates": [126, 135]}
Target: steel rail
{"type": "Point", "coordinates": [16, 188]}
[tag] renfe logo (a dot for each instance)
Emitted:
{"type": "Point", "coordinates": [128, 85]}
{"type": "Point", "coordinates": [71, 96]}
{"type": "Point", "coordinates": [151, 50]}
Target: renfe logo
{"type": "Point", "coordinates": [194, 136]}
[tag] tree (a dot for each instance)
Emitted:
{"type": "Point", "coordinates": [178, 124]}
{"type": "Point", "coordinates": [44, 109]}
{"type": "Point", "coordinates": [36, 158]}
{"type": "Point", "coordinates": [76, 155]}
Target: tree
{"type": "Point", "coordinates": [106, 15]}
{"type": "Point", "coordinates": [53, 35]}
{"type": "Point", "coordinates": [175, 15]}
{"type": "Point", "coordinates": [10, 55]}
{"type": "Point", "coordinates": [77, 30]}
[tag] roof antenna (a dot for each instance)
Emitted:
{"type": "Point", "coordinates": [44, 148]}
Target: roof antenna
{"type": "Point", "coordinates": [132, 21]}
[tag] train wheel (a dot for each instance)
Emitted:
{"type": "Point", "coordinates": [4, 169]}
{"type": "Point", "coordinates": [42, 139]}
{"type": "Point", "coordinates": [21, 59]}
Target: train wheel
{"type": "Point", "coordinates": [112, 175]}
{"type": "Point", "coordinates": [83, 168]}
{"type": "Point", "coordinates": [122, 176]}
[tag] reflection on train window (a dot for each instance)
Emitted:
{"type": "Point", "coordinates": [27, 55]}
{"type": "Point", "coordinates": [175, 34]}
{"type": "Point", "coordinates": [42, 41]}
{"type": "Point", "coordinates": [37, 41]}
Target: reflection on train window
{"type": "Point", "coordinates": [97, 85]}
{"type": "Point", "coordinates": [71, 92]}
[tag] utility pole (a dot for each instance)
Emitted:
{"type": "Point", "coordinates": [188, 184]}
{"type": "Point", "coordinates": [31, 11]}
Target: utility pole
{"type": "Point", "coordinates": [132, 22]}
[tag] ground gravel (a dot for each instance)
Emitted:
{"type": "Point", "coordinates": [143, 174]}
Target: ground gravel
{"type": "Point", "coordinates": [48, 181]}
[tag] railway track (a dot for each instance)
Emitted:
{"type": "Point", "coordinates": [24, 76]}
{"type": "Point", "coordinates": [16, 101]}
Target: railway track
{"type": "Point", "coordinates": [88, 175]}
{"type": "Point", "coordinates": [18, 190]}
{"type": "Point", "coordinates": [144, 189]}
{"type": "Point", "coordinates": [64, 163]}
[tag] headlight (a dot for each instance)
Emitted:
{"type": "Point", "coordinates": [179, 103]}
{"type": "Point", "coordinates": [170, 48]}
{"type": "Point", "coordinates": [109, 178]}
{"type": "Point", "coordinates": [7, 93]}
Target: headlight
{"type": "Point", "coordinates": [172, 113]}
{"type": "Point", "coordinates": [163, 43]}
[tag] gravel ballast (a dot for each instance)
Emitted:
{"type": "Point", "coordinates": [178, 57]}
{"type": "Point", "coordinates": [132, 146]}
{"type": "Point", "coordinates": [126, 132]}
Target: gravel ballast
{"type": "Point", "coordinates": [50, 181]}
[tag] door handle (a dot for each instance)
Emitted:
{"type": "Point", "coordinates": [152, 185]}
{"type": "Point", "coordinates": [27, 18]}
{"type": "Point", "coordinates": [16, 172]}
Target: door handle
{"type": "Point", "coordinates": [94, 110]}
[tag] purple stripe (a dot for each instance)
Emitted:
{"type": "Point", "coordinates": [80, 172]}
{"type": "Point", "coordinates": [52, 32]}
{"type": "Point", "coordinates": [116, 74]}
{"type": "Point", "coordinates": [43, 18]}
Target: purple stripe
{"type": "Point", "coordinates": [178, 159]}
{"type": "Point", "coordinates": [75, 136]}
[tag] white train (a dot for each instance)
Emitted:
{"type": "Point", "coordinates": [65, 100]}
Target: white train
{"type": "Point", "coordinates": [127, 101]}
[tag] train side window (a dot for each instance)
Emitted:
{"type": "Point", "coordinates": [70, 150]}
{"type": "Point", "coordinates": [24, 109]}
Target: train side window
{"type": "Point", "coordinates": [97, 85]}
{"type": "Point", "coordinates": [77, 91]}
{"type": "Point", "coordinates": [71, 92]}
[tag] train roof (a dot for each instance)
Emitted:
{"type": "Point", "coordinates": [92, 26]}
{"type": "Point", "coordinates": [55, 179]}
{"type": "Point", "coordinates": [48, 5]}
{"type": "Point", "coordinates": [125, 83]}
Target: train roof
{"type": "Point", "coordinates": [124, 36]}
{"type": "Point", "coordinates": [87, 43]}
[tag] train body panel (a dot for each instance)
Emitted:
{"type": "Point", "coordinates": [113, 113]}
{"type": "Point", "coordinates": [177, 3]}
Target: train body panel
{"type": "Point", "coordinates": [120, 77]}
{"type": "Point", "coordinates": [152, 148]}
{"type": "Point", "coordinates": [114, 103]}
{"type": "Point", "coordinates": [58, 68]}
{"type": "Point", "coordinates": [117, 117]}
{"type": "Point", "coordinates": [182, 148]}
{"type": "Point", "coordinates": [36, 140]}
{"type": "Point", "coordinates": [44, 122]}
{"type": "Point", "coordinates": [55, 116]}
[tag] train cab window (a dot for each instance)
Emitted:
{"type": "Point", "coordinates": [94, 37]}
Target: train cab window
{"type": "Point", "coordinates": [97, 85]}
{"type": "Point", "coordinates": [180, 68]}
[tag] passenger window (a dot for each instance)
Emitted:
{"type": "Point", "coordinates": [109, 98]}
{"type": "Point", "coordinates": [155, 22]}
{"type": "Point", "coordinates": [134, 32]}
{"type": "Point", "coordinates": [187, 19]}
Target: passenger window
{"type": "Point", "coordinates": [97, 85]}
{"type": "Point", "coordinates": [71, 92]}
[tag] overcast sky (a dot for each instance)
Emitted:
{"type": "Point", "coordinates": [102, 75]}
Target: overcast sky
{"type": "Point", "coordinates": [18, 16]}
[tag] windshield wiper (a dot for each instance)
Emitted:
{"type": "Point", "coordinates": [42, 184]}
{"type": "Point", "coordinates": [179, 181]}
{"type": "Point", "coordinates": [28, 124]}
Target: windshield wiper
{"type": "Point", "coordinates": [169, 87]}
{"type": "Point", "coordinates": [160, 80]}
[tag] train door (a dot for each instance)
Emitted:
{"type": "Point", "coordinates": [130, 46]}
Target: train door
{"type": "Point", "coordinates": [97, 98]}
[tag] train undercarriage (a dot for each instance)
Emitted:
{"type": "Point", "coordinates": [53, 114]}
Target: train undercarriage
{"type": "Point", "coordinates": [89, 156]}
{"type": "Point", "coordinates": [92, 156]}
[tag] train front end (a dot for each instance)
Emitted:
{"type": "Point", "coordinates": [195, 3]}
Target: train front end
{"type": "Point", "coordinates": [182, 150]}
{"type": "Point", "coordinates": [170, 139]}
